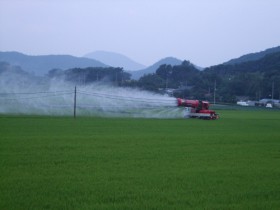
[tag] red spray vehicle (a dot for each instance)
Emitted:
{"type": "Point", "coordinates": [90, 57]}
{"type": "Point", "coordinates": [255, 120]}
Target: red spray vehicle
{"type": "Point", "coordinates": [197, 109]}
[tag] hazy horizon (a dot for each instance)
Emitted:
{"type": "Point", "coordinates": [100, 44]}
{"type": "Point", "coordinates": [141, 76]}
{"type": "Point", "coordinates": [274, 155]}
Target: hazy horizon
{"type": "Point", "coordinates": [203, 32]}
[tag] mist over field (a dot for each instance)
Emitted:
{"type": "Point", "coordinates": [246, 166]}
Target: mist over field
{"type": "Point", "coordinates": [25, 94]}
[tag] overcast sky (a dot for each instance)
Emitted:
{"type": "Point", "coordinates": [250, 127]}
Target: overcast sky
{"type": "Point", "coordinates": [205, 32]}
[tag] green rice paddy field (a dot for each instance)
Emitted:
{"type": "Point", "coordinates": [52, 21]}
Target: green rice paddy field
{"type": "Point", "coordinates": [124, 163]}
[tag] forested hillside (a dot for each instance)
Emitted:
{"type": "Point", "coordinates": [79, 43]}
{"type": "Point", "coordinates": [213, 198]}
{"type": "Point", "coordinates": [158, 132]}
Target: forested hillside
{"type": "Point", "coordinates": [247, 80]}
{"type": "Point", "coordinates": [253, 56]}
{"type": "Point", "coordinates": [252, 79]}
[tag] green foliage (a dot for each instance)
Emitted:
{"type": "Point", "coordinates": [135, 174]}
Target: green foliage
{"type": "Point", "coordinates": [92, 74]}
{"type": "Point", "coordinates": [254, 56]}
{"type": "Point", "coordinates": [8, 68]}
{"type": "Point", "coordinates": [252, 79]}
{"type": "Point", "coordinates": [117, 163]}
{"type": "Point", "coordinates": [151, 82]}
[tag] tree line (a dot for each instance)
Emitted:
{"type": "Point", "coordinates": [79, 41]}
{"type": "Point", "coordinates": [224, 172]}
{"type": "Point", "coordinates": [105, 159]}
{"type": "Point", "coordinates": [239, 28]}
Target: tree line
{"type": "Point", "coordinates": [253, 80]}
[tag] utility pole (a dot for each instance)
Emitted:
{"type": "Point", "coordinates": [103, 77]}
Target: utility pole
{"type": "Point", "coordinates": [75, 99]}
{"type": "Point", "coordinates": [121, 78]}
{"type": "Point", "coordinates": [215, 92]}
{"type": "Point", "coordinates": [272, 91]}
{"type": "Point", "coordinates": [166, 79]}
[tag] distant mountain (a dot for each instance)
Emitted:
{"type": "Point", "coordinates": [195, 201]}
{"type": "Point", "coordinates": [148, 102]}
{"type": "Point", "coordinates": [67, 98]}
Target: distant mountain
{"type": "Point", "coordinates": [115, 60]}
{"type": "Point", "coordinates": [253, 56]}
{"type": "Point", "coordinates": [152, 69]}
{"type": "Point", "coordinates": [269, 65]}
{"type": "Point", "coordinates": [40, 65]}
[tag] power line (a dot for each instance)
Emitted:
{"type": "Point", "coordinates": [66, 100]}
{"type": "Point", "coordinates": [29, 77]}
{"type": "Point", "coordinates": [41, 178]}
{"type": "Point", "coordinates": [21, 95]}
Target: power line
{"type": "Point", "coordinates": [135, 99]}
{"type": "Point", "coordinates": [45, 96]}
{"type": "Point", "coordinates": [31, 93]}
{"type": "Point", "coordinates": [97, 94]}
{"type": "Point", "coordinates": [128, 104]}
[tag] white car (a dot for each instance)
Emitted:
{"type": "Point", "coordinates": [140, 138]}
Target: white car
{"type": "Point", "coordinates": [242, 103]}
{"type": "Point", "coordinates": [268, 105]}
